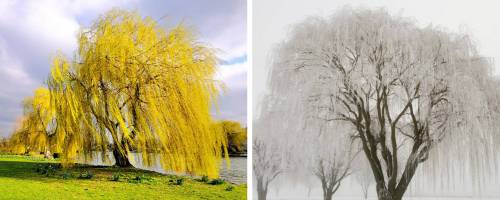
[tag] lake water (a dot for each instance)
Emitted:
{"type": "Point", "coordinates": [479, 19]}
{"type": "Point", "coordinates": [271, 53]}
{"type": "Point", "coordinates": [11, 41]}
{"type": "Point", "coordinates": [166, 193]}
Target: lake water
{"type": "Point", "coordinates": [237, 173]}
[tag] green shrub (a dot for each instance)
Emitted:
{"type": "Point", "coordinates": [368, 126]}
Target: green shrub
{"type": "Point", "coordinates": [66, 175]}
{"type": "Point", "coordinates": [50, 170]}
{"type": "Point", "coordinates": [179, 181]}
{"type": "Point", "coordinates": [115, 177]}
{"type": "Point", "coordinates": [39, 168]}
{"type": "Point", "coordinates": [217, 181]}
{"type": "Point", "coordinates": [140, 179]}
{"type": "Point", "coordinates": [204, 179]}
{"type": "Point", "coordinates": [86, 175]}
{"type": "Point", "coordinates": [229, 188]}
{"type": "Point", "coordinates": [46, 169]}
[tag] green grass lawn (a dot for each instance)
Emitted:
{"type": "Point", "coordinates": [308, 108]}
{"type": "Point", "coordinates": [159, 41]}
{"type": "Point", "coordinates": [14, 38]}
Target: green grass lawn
{"type": "Point", "coordinates": [27, 177]}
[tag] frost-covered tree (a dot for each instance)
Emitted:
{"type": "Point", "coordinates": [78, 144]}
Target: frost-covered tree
{"type": "Point", "coordinates": [409, 93]}
{"type": "Point", "coordinates": [272, 146]}
{"type": "Point", "coordinates": [363, 175]}
{"type": "Point", "coordinates": [328, 146]}
{"type": "Point", "coordinates": [332, 163]}
{"type": "Point", "coordinates": [267, 165]}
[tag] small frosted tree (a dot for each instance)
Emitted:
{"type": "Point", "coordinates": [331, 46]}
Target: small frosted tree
{"type": "Point", "coordinates": [363, 175]}
{"type": "Point", "coordinates": [330, 148]}
{"type": "Point", "coordinates": [409, 93]}
{"type": "Point", "coordinates": [267, 165]}
{"type": "Point", "coordinates": [272, 153]}
{"type": "Point", "coordinates": [332, 164]}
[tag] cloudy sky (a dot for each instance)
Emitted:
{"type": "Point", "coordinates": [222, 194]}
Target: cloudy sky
{"type": "Point", "coordinates": [271, 23]}
{"type": "Point", "coordinates": [31, 32]}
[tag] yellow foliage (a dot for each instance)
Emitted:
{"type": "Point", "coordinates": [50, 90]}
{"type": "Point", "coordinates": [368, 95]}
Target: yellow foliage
{"type": "Point", "coordinates": [236, 135]}
{"type": "Point", "coordinates": [143, 89]}
{"type": "Point", "coordinates": [4, 145]}
{"type": "Point", "coordinates": [32, 131]}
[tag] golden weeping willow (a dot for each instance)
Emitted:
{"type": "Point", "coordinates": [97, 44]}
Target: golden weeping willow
{"type": "Point", "coordinates": [19, 140]}
{"type": "Point", "coordinates": [136, 87]}
{"type": "Point", "coordinates": [33, 131]}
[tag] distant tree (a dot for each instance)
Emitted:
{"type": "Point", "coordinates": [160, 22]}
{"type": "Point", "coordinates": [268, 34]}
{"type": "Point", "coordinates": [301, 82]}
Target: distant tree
{"type": "Point", "coordinates": [40, 116]}
{"type": "Point", "coordinates": [267, 165]}
{"type": "Point", "coordinates": [331, 151]}
{"type": "Point", "coordinates": [34, 130]}
{"type": "Point", "coordinates": [19, 140]}
{"type": "Point", "coordinates": [407, 92]}
{"type": "Point", "coordinates": [236, 136]}
{"type": "Point", "coordinates": [363, 175]}
{"type": "Point", "coordinates": [137, 86]}
{"type": "Point", "coordinates": [332, 167]}
{"type": "Point", "coordinates": [4, 145]}
{"type": "Point", "coordinates": [273, 145]}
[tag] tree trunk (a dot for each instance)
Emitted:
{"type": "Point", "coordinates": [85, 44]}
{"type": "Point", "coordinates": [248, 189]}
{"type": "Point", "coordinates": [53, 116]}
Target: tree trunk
{"type": "Point", "coordinates": [398, 191]}
{"type": "Point", "coordinates": [261, 190]}
{"type": "Point", "coordinates": [327, 191]}
{"type": "Point", "coordinates": [121, 160]}
{"type": "Point", "coordinates": [388, 198]}
{"type": "Point", "coordinates": [384, 194]}
{"type": "Point", "coordinates": [327, 195]}
{"type": "Point", "coordinates": [394, 197]}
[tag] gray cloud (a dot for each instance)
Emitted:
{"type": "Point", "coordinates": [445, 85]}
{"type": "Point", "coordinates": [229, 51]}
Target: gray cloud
{"type": "Point", "coordinates": [31, 32]}
{"type": "Point", "coordinates": [233, 101]}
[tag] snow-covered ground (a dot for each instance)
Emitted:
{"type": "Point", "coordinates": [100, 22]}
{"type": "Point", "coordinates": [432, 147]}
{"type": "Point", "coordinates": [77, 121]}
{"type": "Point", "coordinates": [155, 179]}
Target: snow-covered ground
{"type": "Point", "coordinates": [303, 189]}
{"type": "Point", "coordinates": [406, 198]}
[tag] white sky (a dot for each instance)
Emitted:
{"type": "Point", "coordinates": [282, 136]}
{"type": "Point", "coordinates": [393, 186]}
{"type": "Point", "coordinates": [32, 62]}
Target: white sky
{"type": "Point", "coordinates": [271, 20]}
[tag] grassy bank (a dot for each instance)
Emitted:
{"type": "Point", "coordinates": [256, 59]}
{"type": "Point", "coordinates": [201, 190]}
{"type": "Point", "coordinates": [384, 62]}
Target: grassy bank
{"type": "Point", "coordinates": [27, 177]}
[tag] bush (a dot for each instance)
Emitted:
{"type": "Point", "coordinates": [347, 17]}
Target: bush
{"type": "Point", "coordinates": [204, 179]}
{"type": "Point", "coordinates": [66, 175]}
{"type": "Point", "coordinates": [179, 181]}
{"type": "Point", "coordinates": [217, 181]}
{"type": "Point", "coordinates": [115, 177]}
{"type": "Point", "coordinates": [39, 168]}
{"type": "Point", "coordinates": [86, 175]}
{"type": "Point", "coordinates": [47, 169]}
{"type": "Point", "coordinates": [140, 179]}
{"type": "Point", "coordinates": [229, 188]}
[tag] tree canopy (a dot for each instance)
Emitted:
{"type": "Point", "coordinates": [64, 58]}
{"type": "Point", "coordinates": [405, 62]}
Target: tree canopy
{"type": "Point", "coordinates": [134, 86]}
{"type": "Point", "coordinates": [408, 94]}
